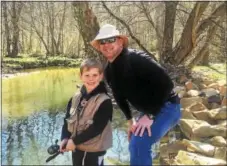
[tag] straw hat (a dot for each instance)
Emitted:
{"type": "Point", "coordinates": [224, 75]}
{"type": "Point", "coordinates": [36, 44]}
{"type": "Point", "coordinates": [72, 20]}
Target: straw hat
{"type": "Point", "coordinates": [107, 31]}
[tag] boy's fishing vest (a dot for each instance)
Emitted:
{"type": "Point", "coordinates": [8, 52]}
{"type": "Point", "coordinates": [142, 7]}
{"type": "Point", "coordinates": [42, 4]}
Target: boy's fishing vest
{"type": "Point", "coordinates": [79, 123]}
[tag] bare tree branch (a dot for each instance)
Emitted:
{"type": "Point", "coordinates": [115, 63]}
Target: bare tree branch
{"type": "Point", "coordinates": [220, 11]}
{"type": "Point", "coordinates": [150, 20]}
{"type": "Point", "coordinates": [129, 30]}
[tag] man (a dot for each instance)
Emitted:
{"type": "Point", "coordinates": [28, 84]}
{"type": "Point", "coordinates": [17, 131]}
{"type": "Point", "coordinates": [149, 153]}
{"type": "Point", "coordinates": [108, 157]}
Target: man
{"type": "Point", "coordinates": [136, 78]}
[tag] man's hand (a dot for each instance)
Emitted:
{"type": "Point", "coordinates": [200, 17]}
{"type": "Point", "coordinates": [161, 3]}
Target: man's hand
{"type": "Point", "coordinates": [131, 127]}
{"type": "Point", "coordinates": [143, 123]}
{"type": "Point", "coordinates": [70, 145]}
{"type": "Point", "coordinates": [63, 143]}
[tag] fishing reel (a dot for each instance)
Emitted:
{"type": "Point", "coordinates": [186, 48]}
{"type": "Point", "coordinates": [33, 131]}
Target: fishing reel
{"type": "Point", "coordinates": [53, 148]}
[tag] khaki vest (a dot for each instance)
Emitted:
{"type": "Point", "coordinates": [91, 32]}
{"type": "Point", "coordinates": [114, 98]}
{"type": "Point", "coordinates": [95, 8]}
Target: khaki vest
{"type": "Point", "coordinates": [78, 124]}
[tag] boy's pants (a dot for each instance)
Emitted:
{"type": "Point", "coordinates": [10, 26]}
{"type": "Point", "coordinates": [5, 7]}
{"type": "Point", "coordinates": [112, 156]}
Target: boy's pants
{"type": "Point", "coordinates": [81, 158]}
{"type": "Point", "coordinates": [140, 147]}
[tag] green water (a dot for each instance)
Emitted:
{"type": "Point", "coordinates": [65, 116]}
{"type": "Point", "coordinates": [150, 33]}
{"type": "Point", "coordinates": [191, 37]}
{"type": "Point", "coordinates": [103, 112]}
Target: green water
{"type": "Point", "coordinates": [46, 89]}
{"type": "Point", "coordinates": [33, 107]}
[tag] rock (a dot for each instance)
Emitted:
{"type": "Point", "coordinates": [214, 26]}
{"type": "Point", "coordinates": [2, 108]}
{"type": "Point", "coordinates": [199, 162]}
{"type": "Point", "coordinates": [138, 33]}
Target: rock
{"type": "Point", "coordinates": [203, 115]}
{"type": "Point", "coordinates": [190, 85]}
{"type": "Point", "coordinates": [220, 153]}
{"type": "Point", "coordinates": [210, 92]}
{"type": "Point", "coordinates": [186, 102]}
{"type": "Point", "coordinates": [212, 130]}
{"type": "Point", "coordinates": [224, 101]}
{"type": "Point", "coordinates": [221, 82]}
{"type": "Point", "coordinates": [214, 99]}
{"type": "Point", "coordinates": [199, 147]}
{"type": "Point", "coordinates": [218, 114]}
{"type": "Point", "coordinates": [207, 81]}
{"type": "Point", "coordinates": [205, 149]}
{"type": "Point", "coordinates": [222, 122]}
{"type": "Point", "coordinates": [178, 89]}
{"type": "Point", "coordinates": [186, 114]}
{"type": "Point", "coordinates": [169, 151]}
{"type": "Point", "coordinates": [214, 105]}
{"type": "Point", "coordinates": [213, 85]}
{"type": "Point", "coordinates": [196, 106]}
{"type": "Point", "coordinates": [196, 129]}
{"type": "Point", "coordinates": [222, 90]}
{"type": "Point", "coordinates": [218, 141]}
{"type": "Point", "coordinates": [187, 158]}
{"type": "Point", "coordinates": [183, 79]}
{"type": "Point", "coordinates": [212, 115]}
{"type": "Point", "coordinates": [193, 93]}
{"type": "Point", "coordinates": [202, 86]}
{"type": "Point", "coordinates": [182, 94]}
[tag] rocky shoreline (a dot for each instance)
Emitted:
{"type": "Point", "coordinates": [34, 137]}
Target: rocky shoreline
{"type": "Point", "coordinates": [203, 125]}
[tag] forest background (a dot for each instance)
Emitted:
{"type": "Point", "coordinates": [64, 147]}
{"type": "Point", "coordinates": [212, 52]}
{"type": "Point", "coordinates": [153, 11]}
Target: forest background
{"type": "Point", "coordinates": [38, 34]}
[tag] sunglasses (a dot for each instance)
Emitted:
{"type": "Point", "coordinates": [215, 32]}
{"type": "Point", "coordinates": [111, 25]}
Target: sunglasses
{"type": "Point", "coordinates": [108, 40]}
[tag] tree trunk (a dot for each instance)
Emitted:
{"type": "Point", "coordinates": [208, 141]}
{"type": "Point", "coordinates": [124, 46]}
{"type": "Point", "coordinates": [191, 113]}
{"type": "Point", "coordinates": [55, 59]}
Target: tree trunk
{"type": "Point", "coordinates": [203, 53]}
{"type": "Point", "coordinates": [167, 41]}
{"type": "Point", "coordinates": [30, 45]}
{"type": "Point", "coordinates": [16, 10]}
{"type": "Point", "coordinates": [205, 57]}
{"type": "Point", "coordinates": [39, 34]}
{"type": "Point", "coordinates": [188, 38]}
{"type": "Point", "coordinates": [7, 35]}
{"type": "Point", "coordinates": [88, 26]}
{"type": "Point", "coordinates": [159, 10]}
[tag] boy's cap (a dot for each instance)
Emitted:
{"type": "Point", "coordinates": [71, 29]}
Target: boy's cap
{"type": "Point", "coordinates": [107, 31]}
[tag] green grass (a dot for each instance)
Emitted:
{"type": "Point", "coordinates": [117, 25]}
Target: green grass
{"type": "Point", "coordinates": [213, 71]}
{"type": "Point", "coordinates": [24, 62]}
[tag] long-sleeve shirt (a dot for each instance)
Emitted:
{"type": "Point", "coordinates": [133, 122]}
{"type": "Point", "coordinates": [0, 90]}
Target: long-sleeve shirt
{"type": "Point", "coordinates": [136, 78]}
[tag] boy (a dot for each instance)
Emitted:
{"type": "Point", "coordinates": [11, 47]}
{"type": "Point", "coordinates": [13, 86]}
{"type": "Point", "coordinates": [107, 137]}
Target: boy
{"type": "Point", "coordinates": [87, 130]}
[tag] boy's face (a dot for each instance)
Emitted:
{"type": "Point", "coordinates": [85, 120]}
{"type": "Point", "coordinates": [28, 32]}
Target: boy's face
{"type": "Point", "coordinates": [91, 78]}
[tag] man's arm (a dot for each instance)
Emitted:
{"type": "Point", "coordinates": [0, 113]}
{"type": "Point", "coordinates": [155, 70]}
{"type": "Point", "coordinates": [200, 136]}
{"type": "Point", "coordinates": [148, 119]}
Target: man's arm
{"type": "Point", "coordinates": [120, 100]}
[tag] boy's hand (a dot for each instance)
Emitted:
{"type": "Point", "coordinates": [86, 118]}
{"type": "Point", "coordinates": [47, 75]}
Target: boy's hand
{"type": "Point", "coordinates": [63, 145]}
{"type": "Point", "coordinates": [70, 145]}
{"type": "Point", "coordinates": [143, 123]}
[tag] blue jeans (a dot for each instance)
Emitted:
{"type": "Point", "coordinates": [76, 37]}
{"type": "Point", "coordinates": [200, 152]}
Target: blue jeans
{"type": "Point", "coordinates": [140, 147]}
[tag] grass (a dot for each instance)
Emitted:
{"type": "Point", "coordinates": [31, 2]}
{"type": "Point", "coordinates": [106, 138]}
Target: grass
{"type": "Point", "coordinates": [24, 62]}
{"type": "Point", "coordinates": [213, 71]}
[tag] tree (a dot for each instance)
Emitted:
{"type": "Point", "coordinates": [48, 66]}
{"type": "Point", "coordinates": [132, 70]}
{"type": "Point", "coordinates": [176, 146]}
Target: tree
{"type": "Point", "coordinates": [87, 25]}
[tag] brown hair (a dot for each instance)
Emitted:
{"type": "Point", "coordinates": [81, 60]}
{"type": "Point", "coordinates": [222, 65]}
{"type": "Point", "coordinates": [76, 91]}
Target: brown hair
{"type": "Point", "coordinates": [91, 63]}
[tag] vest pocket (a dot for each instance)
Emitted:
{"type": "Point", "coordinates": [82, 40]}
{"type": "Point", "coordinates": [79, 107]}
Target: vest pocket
{"type": "Point", "coordinates": [71, 124]}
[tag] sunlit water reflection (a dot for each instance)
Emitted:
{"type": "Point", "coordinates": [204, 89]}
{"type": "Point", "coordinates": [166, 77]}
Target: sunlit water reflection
{"type": "Point", "coordinates": [33, 107]}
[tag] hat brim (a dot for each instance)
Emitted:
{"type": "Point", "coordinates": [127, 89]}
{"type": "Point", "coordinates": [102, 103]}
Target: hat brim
{"type": "Point", "coordinates": [95, 43]}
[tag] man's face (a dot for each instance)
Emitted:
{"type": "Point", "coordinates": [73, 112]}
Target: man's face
{"type": "Point", "coordinates": [111, 47]}
{"type": "Point", "coordinates": [91, 78]}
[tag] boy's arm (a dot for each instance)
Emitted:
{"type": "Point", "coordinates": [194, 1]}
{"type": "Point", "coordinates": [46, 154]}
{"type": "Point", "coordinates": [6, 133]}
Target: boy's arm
{"type": "Point", "coordinates": [100, 120]}
{"type": "Point", "coordinates": [65, 133]}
